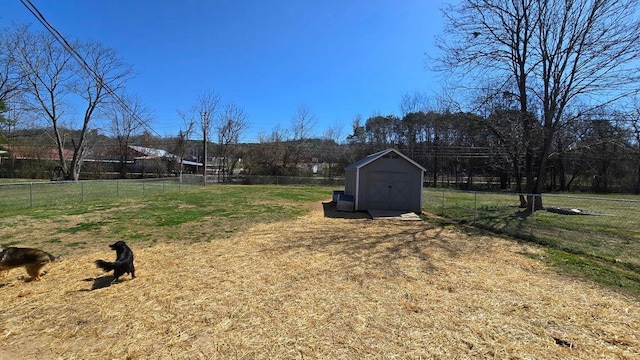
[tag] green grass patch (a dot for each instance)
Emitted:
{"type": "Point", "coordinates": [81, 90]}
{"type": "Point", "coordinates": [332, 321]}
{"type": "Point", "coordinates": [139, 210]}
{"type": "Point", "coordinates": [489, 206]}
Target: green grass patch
{"type": "Point", "coordinates": [42, 194]}
{"type": "Point", "coordinates": [190, 215]}
{"type": "Point", "coordinates": [603, 246]}
{"type": "Point", "coordinates": [85, 227]}
{"type": "Point", "coordinates": [611, 274]}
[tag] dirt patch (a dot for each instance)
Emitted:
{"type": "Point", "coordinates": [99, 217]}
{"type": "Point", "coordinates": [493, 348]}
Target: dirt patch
{"type": "Point", "coordinates": [319, 287]}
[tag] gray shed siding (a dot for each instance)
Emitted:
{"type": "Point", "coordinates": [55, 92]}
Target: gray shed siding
{"type": "Point", "coordinates": [350, 178]}
{"type": "Point", "coordinates": [389, 184]}
{"type": "Point", "coordinates": [385, 181]}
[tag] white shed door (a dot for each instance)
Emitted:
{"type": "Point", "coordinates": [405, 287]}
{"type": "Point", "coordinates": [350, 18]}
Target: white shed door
{"type": "Point", "coordinates": [388, 191]}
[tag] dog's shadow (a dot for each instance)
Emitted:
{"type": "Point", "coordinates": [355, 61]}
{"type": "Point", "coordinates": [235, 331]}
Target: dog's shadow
{"type": "Point", "coordinates": [101, 282]}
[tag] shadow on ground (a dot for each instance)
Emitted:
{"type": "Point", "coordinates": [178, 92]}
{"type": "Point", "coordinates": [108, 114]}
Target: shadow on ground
{"type": "Point", "coordinates": [100, 282]}
{"type": "Point", "coordinates": [330, 211]}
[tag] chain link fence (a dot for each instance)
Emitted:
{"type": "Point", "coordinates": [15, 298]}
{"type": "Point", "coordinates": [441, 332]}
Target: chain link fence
{"type": "Point", "coordinates": [289, 180]}
{"type": "Point", "coordinates": [603, 227]}
{"type": "Point", "coordinates": [22, 195]}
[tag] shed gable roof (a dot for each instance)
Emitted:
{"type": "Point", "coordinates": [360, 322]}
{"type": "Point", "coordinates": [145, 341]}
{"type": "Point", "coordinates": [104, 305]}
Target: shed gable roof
{"type": "Point", "coordinates": [373, 157]}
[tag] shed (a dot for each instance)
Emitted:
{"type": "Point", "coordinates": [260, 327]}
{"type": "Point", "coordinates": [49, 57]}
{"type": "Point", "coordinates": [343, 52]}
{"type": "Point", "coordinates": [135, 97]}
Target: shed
{"type": "Point", "coordinates": [386, 180]}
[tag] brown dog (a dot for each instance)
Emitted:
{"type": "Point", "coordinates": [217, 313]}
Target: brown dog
{"type": "Point", "coordinates": [33, 260]}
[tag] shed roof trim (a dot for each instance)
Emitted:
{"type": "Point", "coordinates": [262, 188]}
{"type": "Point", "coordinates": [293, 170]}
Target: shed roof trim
{"type": "Point", "coordinates": [370, 158]}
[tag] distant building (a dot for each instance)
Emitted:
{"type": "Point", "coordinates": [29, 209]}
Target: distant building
{"type": "Point", "coordinates": [386, 180]}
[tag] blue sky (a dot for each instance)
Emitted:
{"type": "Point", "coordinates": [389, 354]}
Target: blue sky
{"type": "Point", "coordinates": [339, 58]}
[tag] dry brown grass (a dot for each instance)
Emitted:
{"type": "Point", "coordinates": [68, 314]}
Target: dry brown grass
{"type": "Point", "coordinates": [318, 288]}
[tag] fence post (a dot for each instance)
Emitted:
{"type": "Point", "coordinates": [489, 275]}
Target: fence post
{"type": "Point", "coordinates": [533, 215]}
{"type": "Point", "coordinates": [533, 208]}
{"type": "Point", "coordinates": [475, 205]}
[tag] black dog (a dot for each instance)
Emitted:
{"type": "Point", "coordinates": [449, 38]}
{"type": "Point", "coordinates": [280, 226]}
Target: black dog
{"type": "Point", "coordinates": [123, 263]}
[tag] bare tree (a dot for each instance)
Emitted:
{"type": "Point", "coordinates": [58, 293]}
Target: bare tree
{"type": "Point", "coordinates": [634, 118]}
{"type": "Point", "coordinates": [270, 156]}
{"type": "Point", "coordinates": [3, 120]}
{"type": "Point", "coordinates": [207, 107]}
{"type": "Point", "coordinates": [126, 123]}
{"type": "Point", "coordinates": [331, 150]}
{"type": "Point", "coordinates": [101, 74]}
{"type": "Point", "coordinates": [334, 132]}
{"type": "Point", "coordinates": [302, 124]}
{"type": "Point", "coordinates": [502, 115]}
{"type": "Point", "coordinates": [552, 52]}
{"type": "Point", "coordinates": [48, 72]}
{"type": "Point", "coordinates": [414, 102]}
{"type": "Point", "coordinates": [53, 73]}
{"type": "Point", "coordinates": [11, 78]}
{"type": "Point", "coordinates": [183, 139]}
{"type": "Point", "coordinates": [232, 123]}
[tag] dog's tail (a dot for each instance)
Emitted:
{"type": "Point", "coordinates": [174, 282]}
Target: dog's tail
{"type": "Point", "coordinates": [105, 265]}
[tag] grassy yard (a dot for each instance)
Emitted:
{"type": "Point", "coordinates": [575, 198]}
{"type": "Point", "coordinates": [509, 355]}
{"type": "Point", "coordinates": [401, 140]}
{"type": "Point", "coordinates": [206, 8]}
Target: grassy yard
{"type": "Point", "coordinates": [194, 214]}
{"type": "Point", "coordinates": [21, 194]}
{"type": "Point", "coordinates": [274, 272]}
{"type": "Point", "coordinates": [602, 244]}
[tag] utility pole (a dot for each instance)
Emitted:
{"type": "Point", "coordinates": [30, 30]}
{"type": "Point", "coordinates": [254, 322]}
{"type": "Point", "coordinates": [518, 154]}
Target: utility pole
{"type": "Point", "coordinates": [205, 128]}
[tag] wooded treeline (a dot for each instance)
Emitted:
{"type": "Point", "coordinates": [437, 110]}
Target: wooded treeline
{"type": "Point", "coordinates": [597, 153]}
{"type": "Point", "coordinates": [542, 97]}
{"type": "Point", "coordinates": [463, 150]}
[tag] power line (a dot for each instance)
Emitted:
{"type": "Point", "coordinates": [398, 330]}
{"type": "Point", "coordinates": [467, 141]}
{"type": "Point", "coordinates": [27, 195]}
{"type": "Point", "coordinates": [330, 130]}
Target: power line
{"type": "Point", "coordinates": [74, 53]}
